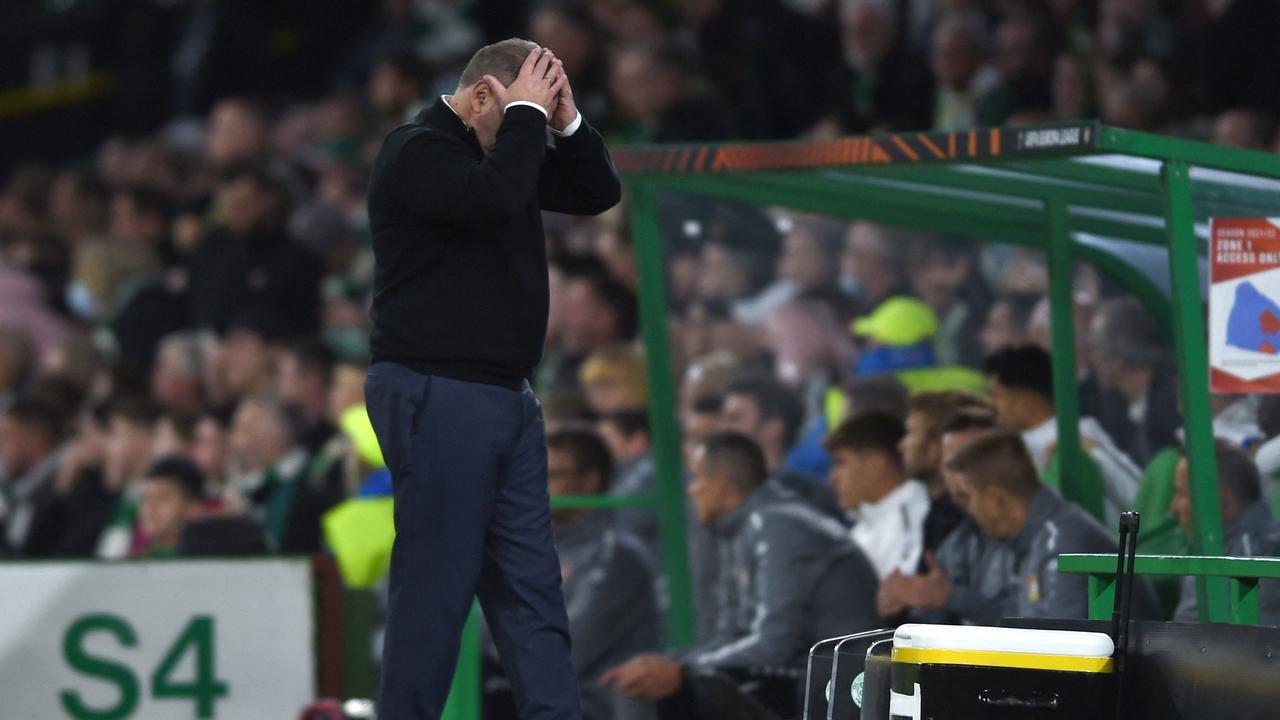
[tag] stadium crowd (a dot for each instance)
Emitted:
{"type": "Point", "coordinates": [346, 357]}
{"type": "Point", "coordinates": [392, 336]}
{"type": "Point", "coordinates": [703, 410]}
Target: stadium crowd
{"type": "Point", "coordinates": [867, 413]}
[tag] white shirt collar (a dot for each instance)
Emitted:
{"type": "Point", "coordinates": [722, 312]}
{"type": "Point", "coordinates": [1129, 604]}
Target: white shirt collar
{"type": "Point", "coordinates": [446, 99]}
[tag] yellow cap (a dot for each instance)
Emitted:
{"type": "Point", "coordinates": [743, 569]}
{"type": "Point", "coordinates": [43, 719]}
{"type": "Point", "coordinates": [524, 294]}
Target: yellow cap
{"type": "Point", "coordinates": [899, 320]}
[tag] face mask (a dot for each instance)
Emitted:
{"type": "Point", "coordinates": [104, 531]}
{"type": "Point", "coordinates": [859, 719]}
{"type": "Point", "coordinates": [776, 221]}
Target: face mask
{"type": "Point", "coordinates": [80, 301]}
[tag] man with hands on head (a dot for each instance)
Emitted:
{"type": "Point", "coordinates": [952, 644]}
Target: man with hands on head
{"type": "Point", "coordinates": [459, 321]}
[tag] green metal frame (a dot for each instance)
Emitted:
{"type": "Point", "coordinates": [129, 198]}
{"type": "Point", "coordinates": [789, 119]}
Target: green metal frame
{"type": "Point", "coordinates": [1034, 187]}
{"type": "Point", "coordinates": [1042, 187]}
{"type": "Point", "coordinates": [1240, 574]}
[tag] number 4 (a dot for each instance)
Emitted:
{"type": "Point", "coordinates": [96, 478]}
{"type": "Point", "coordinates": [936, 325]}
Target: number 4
{"type": "Point", "coordinates": [204, 688]}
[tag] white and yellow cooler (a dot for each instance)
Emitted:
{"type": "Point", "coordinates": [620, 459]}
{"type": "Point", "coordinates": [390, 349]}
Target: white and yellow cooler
{"type": "Point", "coordinates": [941, 672]}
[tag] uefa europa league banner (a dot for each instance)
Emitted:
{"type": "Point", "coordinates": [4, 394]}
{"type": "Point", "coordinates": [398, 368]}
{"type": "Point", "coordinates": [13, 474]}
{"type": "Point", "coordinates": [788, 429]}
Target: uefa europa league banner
{"type": "Point", "coordinates": [156, 640]}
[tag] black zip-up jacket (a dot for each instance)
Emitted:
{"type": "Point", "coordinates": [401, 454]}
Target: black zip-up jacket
{"type": "Point", "coordinates": [460, 278]}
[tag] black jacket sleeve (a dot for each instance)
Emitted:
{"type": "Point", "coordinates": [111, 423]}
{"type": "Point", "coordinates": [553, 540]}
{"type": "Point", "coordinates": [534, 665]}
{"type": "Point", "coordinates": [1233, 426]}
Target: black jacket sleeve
{"type": "Point", "coordinates": [578, 176]}
{"type": "Point", "coordinates": [436, 176]}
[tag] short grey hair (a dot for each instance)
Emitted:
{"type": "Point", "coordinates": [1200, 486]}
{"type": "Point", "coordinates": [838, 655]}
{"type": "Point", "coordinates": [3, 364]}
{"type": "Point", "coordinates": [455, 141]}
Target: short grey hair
{"type": "Point", "coordinates": [502, 60]}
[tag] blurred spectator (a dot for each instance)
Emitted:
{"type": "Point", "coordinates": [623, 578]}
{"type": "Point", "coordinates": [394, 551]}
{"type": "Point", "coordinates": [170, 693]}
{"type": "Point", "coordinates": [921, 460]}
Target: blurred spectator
{"type": "Point", "coordinates": [210, 451]}
{"type": "Point", "coordinates": [1243, 128]}
{"type": "Point", "coordinates": [788, 578]}
{"type": "Point", "coordinates": [736, 268]}
{"type": "Point", "coordinates": [350, 461]}
{"type": "Point", "coordinates": [1235, 419]}
{"type": "Point", "coordinates": [767, 412]}
{"type": "Point", "coordinates": [1024, 58]}
{"type": "Point", "coordinates": [608, 584]}
{"type": "Point", "coordinates": [178, 372]}
{"type": "Point", "coordinates": [104, 277]}
{"type": "Point", "coordinates": [175, 436]}
{"type": "Point", "coordinates": [810, 249]}
{"type": "Point", "coordinates": [1249, 529]}
{"type": "Point", "coordinates": [898, 338]}
{"type": "Point", "coordinates": [15, 365]}
{"type": "Point", "coordinates": [614, 379]}
{"type": "Point", "coordinates": [172, 493]}
{"type": "Point", "coordinates": [1008, 322]}
{"type": "Point", "coordinates": [396, 87]}
{"type": "Point", "coordinates": [811, 347]}
{"type": "Point", "coordinates": [1132, 358]}
{"type": "Point", "coordinates": [1073, 93]}
{"type": "Point", "coordinates": [708, 376]}
{"type": "Point", "coordinates": [237, 134]}
{"type": "Point", "coordinates": [32, 436]}
{"type": "Point", "coordinates": [128, 450]}
{"type": "Point", "coordinates": [871, 266]}
{"type": "Point", "coordinates": [1108, 406]}
{"type": "Point", "coordinates": [250, 353]}
{"type": "Point", "coordinates": [882, 85]}
{"type": "Point", "coordinates": [627, 434]}
{"type": "Point", "coordinates": [323, 230]}
{"type": "Point", "coordinates": [878, 393]}
{"type": "Point", "coordinates": [598, 311]}
{"type": "Point", "coordinates": [1132, 106]}
{"type": "Point", "coordinates": [248, 261]}
{"type": "Point", "coordinates": [1007, 501]}
{"type": "Point", "coordinates": [655, 98]}
{"type": "Point", "coordinates": [870, 481]}
{"type": "Point", "coordinates": [965, 79]}
{"type": "Point", "coordinates": [1020, 380]}
{"type": "Point", "coordinates": [943, 273]}
{"type": "Point", "coordinates": [150, 305]}
{"type": "Point", "coordinates": [305, 374]}
{"type": "Point", "coordinates": [78, 205]}
{"type": "Point", "coordinates": [567, 28]}
{"type": "Point", "coordinates": [140, 218]}
{"type": "Point", "coordinates": [883, 393]}
{"type": "Point", "coordinates": [267, 480]}
{"type": "Point", "coordinates": [708, 326]}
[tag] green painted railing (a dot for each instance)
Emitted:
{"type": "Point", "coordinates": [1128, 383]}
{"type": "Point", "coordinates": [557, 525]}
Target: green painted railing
{"type": "Point", "coordinates": [1241, 576]}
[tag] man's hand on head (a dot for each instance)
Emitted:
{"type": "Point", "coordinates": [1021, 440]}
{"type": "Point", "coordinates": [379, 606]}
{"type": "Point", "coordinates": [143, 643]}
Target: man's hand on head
{"type": "Point", "coordinates": [538, 82]}
{"type": "Point", "coordinates": [566, 111]}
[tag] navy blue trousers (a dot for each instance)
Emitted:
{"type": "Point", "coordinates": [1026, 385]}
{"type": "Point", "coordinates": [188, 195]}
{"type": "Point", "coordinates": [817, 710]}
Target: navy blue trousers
{"type": "Point", "coordinates": [469, 470]}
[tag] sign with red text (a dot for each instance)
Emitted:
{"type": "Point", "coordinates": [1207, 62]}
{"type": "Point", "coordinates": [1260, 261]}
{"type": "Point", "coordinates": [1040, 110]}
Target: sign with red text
{"type": "Point", "coordinates": [1244, 305]}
